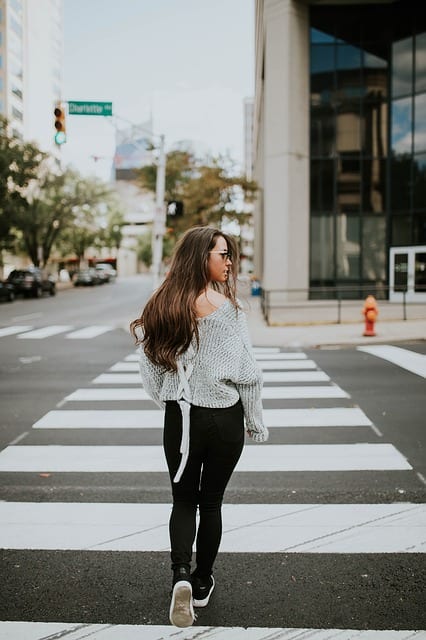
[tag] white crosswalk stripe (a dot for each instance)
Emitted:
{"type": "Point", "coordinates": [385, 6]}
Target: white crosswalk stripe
{"type": "Point", "coordinates": [45, 332]}
{"type": "Point", "coordinates": [409, 360]}
{"type": "Point", "coordinates": [25, 332]}
{"type": "Point", "coordinates": [153, 418]}
{"type": "Point", "coordinates": [81, 631]}
{"type": "Point", "coordinates": [268, 393]}
{"type": "Point", "coordinates": [259, 528]}
{"type": "Point", "coordinates": [10, 331]}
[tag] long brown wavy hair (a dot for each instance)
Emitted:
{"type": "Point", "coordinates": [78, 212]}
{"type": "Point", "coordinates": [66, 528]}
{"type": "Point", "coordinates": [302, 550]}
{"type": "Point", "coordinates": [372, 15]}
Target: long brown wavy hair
{"type": "Point", "coordinates": [169, 319]}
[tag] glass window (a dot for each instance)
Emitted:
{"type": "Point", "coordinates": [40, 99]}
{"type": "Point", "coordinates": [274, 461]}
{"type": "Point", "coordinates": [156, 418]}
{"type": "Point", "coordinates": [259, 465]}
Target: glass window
{"type": "Point", "coordinates": [348, 57]}
{"type": "Point", "coordinates": [401, 183]}
{"type": "Point", "coordinates": [348, 129]}
{"type": "Point", "coordinates": [322, 250]}
{"type": "Point", "coordinates": [420, 272]}
{"type": "Point", "coordinates": [420, 58]}
{"type": "Point", "coordinates": [374, 62]}
{"type": "Point", "coordinates": [322, 58]}
{"type": "Point", "coordinates": [419, 181]}
{"type": "Point", "coordinates": [400, 271]}
{"type": "Point", "coordinates": [348, 247]}
{"type": "Point", "coordinates": [402, 121]}
{"type": "Point", "coordinates": [322, 131]}
{"type": "Point", "coordinates": [402, 71]}
{"type": "Point", "coordinates": [420, 123]}
{"type": "Point", "coordinates": [419, 228]}
{"type": "Point", "coordinates": [401, 230]}
{"type": "Point", "coordinates": [322, 185]}
{"type": "Point", "coordinates": [321, 37]}
{"type": "Point", "coordinates": [374, 248]}
{"type": "Point", "coordinates": [374, 185]}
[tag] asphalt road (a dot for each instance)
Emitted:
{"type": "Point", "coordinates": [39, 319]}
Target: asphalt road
{"type": "Point", "coordinates": [325, 589]}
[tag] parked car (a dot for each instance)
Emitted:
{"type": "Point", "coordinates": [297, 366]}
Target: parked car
{"type": "Point", "coordinates": [7, 291]}
{"type": "Point", "coordinates": [86, 278]}
{"type": "Point", "coordinates": [32, 282]}
{"type": "Point", "coordinates": [106, 271]}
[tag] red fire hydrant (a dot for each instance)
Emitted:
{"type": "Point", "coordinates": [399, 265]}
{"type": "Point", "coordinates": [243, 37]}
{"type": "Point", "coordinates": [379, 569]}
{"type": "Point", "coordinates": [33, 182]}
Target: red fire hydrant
{"type": "Point", "coordinates": [370, 311]}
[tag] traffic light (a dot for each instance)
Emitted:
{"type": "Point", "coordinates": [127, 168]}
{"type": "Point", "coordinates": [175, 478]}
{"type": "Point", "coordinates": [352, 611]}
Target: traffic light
{"type": "Point", "coordinates": [60, 125]}
{"type": "Point", "coordinates": [175, 208]}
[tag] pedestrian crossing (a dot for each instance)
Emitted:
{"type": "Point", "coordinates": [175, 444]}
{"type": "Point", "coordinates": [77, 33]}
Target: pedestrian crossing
{"type": "Point", "coordinates": [28, 332]}
{"type": "Point", "coordinates": [342, 529]}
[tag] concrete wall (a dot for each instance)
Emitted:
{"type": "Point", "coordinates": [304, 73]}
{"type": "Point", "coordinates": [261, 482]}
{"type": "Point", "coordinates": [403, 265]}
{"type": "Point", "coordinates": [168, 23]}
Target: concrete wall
{"type": "Point", "coordinates": [282, 144]}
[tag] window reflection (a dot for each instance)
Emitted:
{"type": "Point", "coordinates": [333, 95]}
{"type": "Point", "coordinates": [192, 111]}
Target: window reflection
{"type": "Point", "coordinates": [374, 248]}
{"type": "Point", "coordinates": [419, 181]}
{"type": "Point", "coordinates": [420, 80]}
{"type": "Point", "coordinates": [322, 250]}
{"type": "Point", "coordinates": [402, 58]}
{"type": "Point", "coordinates": [348, 247]}
{"type": "Point", "coordinates": [420, 123]}
{"type": "Point", "coordinates": [402, 122]}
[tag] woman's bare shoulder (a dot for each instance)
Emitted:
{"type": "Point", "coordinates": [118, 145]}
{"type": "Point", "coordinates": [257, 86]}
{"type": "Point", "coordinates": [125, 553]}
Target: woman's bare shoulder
{"type": "Point", "coordinates": [209, 301]}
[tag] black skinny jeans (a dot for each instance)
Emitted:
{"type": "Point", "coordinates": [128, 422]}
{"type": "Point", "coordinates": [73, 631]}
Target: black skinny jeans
{"type": "Point", "coordinates": [216, 443]}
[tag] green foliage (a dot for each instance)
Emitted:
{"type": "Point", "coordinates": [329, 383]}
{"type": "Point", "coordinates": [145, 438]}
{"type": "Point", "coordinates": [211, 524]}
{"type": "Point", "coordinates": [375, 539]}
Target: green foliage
{"type": "Point", "coordinates": [209, 190]}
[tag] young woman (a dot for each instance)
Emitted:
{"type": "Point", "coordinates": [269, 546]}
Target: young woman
{"type": "Point", "coordinates": [196, 362]}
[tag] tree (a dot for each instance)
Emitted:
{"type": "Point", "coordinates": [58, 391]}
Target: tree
{"type": "Point", "coordinates": [19, 167]}
{"type": "Point", "coordinates": [210, 190]}
{"type": "Point", "coordinates": [57, 207]}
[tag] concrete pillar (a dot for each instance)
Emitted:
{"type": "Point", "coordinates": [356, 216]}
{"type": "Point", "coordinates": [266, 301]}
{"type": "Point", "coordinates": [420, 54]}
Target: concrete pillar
{"type": "Point", "coordinates": [285, 132]}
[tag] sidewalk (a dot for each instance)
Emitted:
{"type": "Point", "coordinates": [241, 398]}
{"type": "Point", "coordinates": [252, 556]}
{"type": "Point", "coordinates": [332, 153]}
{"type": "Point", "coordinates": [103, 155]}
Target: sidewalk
{"type": "Point", "coordinates": [311, 335]}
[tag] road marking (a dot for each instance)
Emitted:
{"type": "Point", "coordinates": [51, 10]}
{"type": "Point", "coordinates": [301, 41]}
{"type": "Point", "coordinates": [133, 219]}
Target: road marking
{"type": "Point", "coordinates": [300, 363]}
{"type": "Point", "coordinates": [266, 349]}
{"type": "Point", "coordinates": [291, 355]}
{"type": "Point", "coordinates": [79, 631]}
{"type": "Point", "coordinates": [268, 393]}
{"type": "Point", "coordinates": [45, 332]}
{"type": "Point", "coordinates": [265, 457]}
{"type": "Point", "coordinates": [10, 331]}
{"type": "Point", "coordinates": [404, 358]}
{"type": "Point", "coordinates": [248, 528]}
{"type": "Point", "coordinates": [88, 332]}
{"type": "Point", "coordinates": [153, 418]}
{"type": "Point", "coordinates": [132, 366]}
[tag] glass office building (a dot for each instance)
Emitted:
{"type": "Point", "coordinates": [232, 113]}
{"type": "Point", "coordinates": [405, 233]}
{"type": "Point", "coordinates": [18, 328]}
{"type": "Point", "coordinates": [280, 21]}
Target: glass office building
{"type": "Point", "coordinates": [362, 67]}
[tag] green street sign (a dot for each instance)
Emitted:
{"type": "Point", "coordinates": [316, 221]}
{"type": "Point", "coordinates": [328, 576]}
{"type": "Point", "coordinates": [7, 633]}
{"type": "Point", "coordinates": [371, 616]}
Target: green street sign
{"type": "Point", "coordinates": [89, 108]}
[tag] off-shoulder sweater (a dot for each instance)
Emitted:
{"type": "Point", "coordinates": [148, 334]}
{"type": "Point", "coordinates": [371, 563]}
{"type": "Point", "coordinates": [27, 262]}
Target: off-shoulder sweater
{"type": "Point", "coordinates": [217, 372]}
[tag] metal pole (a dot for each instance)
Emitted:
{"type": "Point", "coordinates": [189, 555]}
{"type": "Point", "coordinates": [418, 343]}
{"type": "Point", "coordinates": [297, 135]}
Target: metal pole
{"type": "Point", "coordinates": [159, 223]}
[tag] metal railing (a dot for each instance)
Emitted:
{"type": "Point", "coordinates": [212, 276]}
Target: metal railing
{"type": "Point", "coordinates": [340, 298]}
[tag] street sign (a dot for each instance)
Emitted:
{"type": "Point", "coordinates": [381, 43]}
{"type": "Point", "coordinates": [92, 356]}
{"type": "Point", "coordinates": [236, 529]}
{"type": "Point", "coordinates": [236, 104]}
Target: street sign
{"type": "Point", "coordinates": [89, 108]}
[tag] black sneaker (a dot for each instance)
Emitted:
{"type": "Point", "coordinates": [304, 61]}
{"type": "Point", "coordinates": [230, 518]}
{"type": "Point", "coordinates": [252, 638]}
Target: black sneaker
{"type": "Point", "coordinates": [202, 589]}
{"type": "Point", "coordinates": [181, 608]}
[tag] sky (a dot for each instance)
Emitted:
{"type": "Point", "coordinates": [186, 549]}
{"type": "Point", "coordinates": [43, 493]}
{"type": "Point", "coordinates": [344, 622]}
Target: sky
{"type": "Point", "coordinates": [187, 64]}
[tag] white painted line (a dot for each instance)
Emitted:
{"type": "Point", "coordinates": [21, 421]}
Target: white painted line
{"type": "Point", "coordinates": [118, 378]}
{"type": "Point", "coordinates": [153, 418]}
{"type": "Point", "coordinates": [10, 331]}
{"type": "Point", "coordinates": [83, 630]}
{"type": "Point", "coordinates": [266, 349]}
{"type": "Point", "coordinates": [106, 395]}
{"type": "Point", "coordinates": [88, 332]}
{"type": "Point", "coordinates": [294, 355]}
{"type": "Point", "coordinates": [289, 393]}
{"type": "Point", "coordinates": [404, 358]}
{"type": "Point", "coordinates": [45, 332]}
{"type": "Point", "coordinates": [132, 366]}
{"type": "Point", "coordinates": [266, 457]}
{"type": "Point", "coordinates": [284, 393]}
{"type": "Point", "coordinates": [248, 528]}
{"type": "Point", "coordinates": [286, 364]}
{"type": "Point", "coordinates": [134, 378]}
{"type": "Point", "coordinates": [295, 376]}
{"type": "Point", "coordinates": [133, 357]}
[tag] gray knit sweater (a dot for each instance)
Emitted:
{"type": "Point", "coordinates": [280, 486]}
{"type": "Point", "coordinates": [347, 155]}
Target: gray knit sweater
{"type": "Point", "coordinates": [223, 369]}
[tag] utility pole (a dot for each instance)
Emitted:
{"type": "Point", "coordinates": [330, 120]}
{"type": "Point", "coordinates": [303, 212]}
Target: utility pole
{"type": "Point", "coordinates": [159, 224]}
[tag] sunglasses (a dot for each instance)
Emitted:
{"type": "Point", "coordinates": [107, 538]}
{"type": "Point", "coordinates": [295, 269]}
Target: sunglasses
{"type": "Point", "coordinates": [225, 254]}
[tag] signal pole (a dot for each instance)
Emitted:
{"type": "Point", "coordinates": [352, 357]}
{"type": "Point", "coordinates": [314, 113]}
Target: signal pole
{"type": "Point", "coordinates": [159, 224]}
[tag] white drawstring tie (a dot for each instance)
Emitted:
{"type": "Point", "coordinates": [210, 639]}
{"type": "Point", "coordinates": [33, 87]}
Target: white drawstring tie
{"type": "Point", "coordinates": [184, 401]}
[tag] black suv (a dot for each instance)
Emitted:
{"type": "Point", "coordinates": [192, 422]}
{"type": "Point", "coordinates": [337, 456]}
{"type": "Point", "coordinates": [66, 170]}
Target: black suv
{"type": "Point", "coordinates": [32, 282]}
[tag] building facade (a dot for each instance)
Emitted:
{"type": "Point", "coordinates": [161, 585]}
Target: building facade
{"type": "Point", "coordinates": [340, 147]}
{"type": "Point", "coordinates": [31, 63]}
